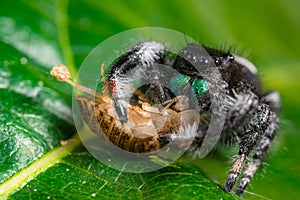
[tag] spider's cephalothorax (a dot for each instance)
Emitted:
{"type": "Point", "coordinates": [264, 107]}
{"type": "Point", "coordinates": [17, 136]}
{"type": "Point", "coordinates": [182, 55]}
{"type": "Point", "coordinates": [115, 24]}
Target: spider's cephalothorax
{"type": "Point", "coordinates": [251, 115]}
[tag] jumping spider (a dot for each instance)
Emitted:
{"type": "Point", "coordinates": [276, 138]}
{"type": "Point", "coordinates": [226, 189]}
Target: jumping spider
{"type": "Point", "coordinates": [251, 115]}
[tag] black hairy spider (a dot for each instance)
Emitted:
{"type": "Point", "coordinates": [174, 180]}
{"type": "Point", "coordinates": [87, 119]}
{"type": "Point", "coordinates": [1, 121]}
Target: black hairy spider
{"type": "Point", "coordinates": [251, 115]}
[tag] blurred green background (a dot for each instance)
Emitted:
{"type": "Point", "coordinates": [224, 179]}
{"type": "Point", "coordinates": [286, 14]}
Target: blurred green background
{"type": "Point", "coordinates": [266, 32]}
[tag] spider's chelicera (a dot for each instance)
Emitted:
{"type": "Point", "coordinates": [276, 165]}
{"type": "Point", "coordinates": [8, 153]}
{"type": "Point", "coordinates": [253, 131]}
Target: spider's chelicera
{"type": "Point", "coordinates": [251, 114]}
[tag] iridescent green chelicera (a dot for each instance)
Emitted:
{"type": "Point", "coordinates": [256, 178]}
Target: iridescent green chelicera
{"type": "Point", "coordinates": [180, 82]}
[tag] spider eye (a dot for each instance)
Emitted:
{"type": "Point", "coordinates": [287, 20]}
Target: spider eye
{"type": "Point", "coordinates": [230, 57]}
{"type": "Point", "coordinates": [217, 61]}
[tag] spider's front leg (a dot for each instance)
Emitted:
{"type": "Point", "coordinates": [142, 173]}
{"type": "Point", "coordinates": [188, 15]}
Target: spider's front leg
{"type": "Point", "coordinates": [261, 126]}
{"type": "Point", "coordinates": [273, 100]}
{"type": "Point", "coordinates": [143, 54]}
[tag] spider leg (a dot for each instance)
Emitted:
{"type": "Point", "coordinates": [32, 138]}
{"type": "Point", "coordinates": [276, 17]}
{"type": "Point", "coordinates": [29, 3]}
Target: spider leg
{"type": "Point", "coordinates": [264, 143]}
{"type": "Point", "coordinates": [259, 154]}
{"type": "Point", "coordinates": [142, 54]}
{"type": "Point", "coordinates": [250, 135]}
{"type": "Point", "coordinates": [238, 107]}
{"type": "Point", "coordinates": [273, 100]}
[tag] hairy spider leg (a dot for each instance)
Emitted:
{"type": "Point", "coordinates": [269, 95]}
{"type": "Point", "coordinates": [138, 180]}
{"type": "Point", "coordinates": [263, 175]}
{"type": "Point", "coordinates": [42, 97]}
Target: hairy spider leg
{"type": "Point", "coordinates": [253, 131]}
{"type": "Point", "coordinates": [142, 54]}
{"type": "Point", "coordinates": [272, 99]}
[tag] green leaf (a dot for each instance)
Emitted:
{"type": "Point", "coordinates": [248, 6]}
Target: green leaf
{"type": "Point", "coordinates": [80, 176]}
{"type": "Point", "coordinates": [32, 116]}
{"type": "Point", "coordinates": [35, 113]}
{"type": "Point", "coordinates": [27, 132]}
